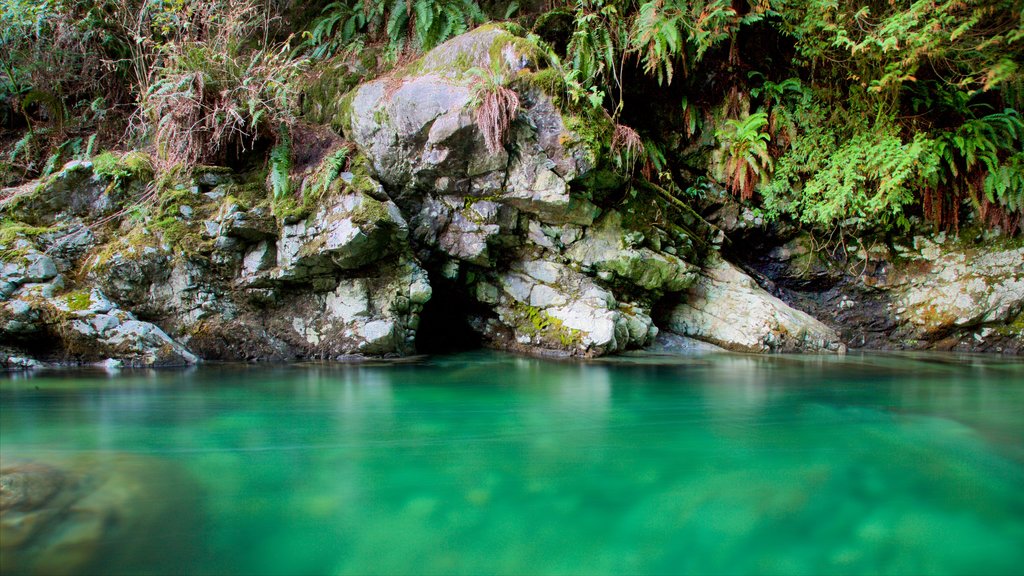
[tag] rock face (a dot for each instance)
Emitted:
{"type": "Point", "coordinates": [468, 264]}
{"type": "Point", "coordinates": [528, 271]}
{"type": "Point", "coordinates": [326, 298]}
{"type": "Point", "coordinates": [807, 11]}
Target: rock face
{"type": "Point", "coordinates": [924, 293]}
{"type": "Point", "coordinates": [961, 291]}
{"type": "Point", "coordinates": [76, 516]}
{"type": "Point", "coordinates": [727, 308]}
{"type": "Point", "coordinates": [544, 268]}
{"type": "Point", "coordinates": [215, 277]}
{"type": "Point", "coordinates": [38, 311]}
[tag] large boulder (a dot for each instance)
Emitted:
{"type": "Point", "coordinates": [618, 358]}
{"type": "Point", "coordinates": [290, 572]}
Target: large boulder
{"type": "Point", "coordinates": [519, 228]}
{"type": "Point", "coordinates": [420, 128]}
{"type": "Point", "coordinates": [962, 290]}
{"type": "Point", "coordinates": [726, 307]}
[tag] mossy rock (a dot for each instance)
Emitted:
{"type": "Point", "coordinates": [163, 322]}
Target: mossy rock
{"type": "Point", "coordinates": [124, 167]}
{"type": "Point", "coordinates": [539, 325]}
{"type": "Point", "coordinates": [323, 90]}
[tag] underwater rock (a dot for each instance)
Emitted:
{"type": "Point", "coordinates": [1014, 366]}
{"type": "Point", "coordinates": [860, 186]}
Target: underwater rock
{"type": "Point", "coordinates": [103, 514]}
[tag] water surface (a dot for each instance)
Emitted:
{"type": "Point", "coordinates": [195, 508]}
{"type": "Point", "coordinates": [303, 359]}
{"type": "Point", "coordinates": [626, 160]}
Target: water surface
{"type": "Point", "coordinates": [487, 463]}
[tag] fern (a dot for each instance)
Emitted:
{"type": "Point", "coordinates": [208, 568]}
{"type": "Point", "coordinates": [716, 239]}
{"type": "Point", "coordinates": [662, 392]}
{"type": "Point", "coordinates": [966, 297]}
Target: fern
{"type": "Point", "coordinates": [743, 159]}
{"type": "Point", "coordinates": [329, 171]}
{"type": "Point", "coordinates": [1005, 184]}
{"type": "Point", "coordinates": [281, 166]}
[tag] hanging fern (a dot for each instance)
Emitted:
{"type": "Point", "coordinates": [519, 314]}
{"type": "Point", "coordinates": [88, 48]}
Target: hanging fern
{"type": "Point", "coordinates": [281, 166]}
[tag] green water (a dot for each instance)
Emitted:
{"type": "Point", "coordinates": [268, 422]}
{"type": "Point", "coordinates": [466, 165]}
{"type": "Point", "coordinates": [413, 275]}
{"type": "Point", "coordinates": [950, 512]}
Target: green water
{"type": "Point", "coordinates": [485, 463]}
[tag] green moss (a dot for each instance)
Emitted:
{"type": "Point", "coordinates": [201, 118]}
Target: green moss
{"type": "Point", "coordinates": [121, 169]}
{"type": "Point", "coordinates": [288, 209]}
{"type": "Point", "coordinates": [1014, 328]}
{"type": "Point", "coordinates": [77, 301]}
{"type": "Point", "coordinates": [549, 81]}
{"type": "Point", "coordinates": [370, 210]}
{"type": "Point", "coordinates": [247, 195]}
{"type": "Point", "coordinates": [320, 102]}
{"type": "Point", "coordinates": [11, 230]}
{"type": "Point", "coordinates": [534, 321]}
{"type": "Point", "coordinates": [133, 242]}
{"type": "Point", "coordinates": [593, 131]}
{"type": "Point", "coordinates": [463, 64]}
{"type": "Point", "coordinates": [343, 119]}
{"type": "Point", "coordinates": [183, 234]}
{"type": "Point", "coordinates": [521, 48]}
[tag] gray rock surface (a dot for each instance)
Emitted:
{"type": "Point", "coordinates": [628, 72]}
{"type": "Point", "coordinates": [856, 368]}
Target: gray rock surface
{"type": "Point", "coordinates": [546, 269]}
{"type": "Point", "coordinates": [925, 292]}
{"type": "Point", "coordinates": [727, 308]}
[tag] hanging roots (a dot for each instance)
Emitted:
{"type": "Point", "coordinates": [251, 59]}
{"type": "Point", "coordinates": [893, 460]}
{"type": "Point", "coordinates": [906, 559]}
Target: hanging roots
{"type": "Point", "coordinates": [498, 108]}
{"type": "Point", "coordinates": [627, 140]}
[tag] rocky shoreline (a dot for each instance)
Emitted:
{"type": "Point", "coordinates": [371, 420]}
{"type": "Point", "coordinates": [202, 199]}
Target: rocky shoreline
{"type": "Point", "coordinates": [530, 248]}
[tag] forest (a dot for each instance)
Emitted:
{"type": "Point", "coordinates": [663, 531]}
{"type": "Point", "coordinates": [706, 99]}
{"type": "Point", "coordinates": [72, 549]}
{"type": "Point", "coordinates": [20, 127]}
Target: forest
{"type": "Point", "coordinates": [858, 118]}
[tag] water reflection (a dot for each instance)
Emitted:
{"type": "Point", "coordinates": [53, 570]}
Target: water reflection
{"type": "Point", "coordinates": [499, 464]}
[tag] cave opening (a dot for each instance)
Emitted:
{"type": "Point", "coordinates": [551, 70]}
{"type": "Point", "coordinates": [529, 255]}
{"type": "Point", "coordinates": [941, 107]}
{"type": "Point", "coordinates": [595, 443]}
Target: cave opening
{"type": "Point", "coordinates": [445, 319]}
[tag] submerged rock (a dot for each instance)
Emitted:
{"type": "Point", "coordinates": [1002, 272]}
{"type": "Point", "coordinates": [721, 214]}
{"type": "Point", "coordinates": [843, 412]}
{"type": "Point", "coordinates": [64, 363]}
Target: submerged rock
{"type": "Point", "coordinates": [107, 514]}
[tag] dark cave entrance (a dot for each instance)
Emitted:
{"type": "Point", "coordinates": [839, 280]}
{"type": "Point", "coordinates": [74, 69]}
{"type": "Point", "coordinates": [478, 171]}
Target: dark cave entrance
{"type": "Point", "coordinates": [444, 321]}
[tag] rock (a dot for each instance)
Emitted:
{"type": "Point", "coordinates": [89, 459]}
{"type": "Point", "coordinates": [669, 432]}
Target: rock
{"type": "Point", "coordinates": [546, 306]}
{"type": "Point", "coordinates": [259, 258]}
{"type": "Point", "coordinates": [348, 233]}
{"type": "Point", "coordinates": [89, 327]}
{"type": "Point", "coordinates": [607, 248]}
{"type": "Point", "coordinates": [418, 128]}
{"type": "Point", "coordinates": [927, 292]}
{"type": "Point", "coordinates": [727, 308]}
{"type": "Point", "coordinates": [250, 226]}
{"type": "Point", "coordinates": [964, 292]}
{"type": "Point", "coordinates": [130, 266]}
{"type": "Point", "coordinates": [72, 191]}
{"type": "Point", "coordinates": [101, 514]}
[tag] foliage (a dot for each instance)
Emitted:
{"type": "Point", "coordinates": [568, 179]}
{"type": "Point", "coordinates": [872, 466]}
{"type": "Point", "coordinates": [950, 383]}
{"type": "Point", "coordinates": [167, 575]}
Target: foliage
{"type": "Point", "coordinates": [496, 107]}
{"type": "Point", "coordinates": [217, 91]}
{"type": "Point", "coordinates": [742, 159]}
{"type": "Point", "coordinates": [281, 167]}
{"type": "Point", "coordinates": [403, 25]}
{"type": "Point", "coordinates": [832, 114]}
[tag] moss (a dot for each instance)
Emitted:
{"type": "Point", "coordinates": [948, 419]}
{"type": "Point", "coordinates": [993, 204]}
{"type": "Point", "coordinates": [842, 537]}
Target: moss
{"type": "Point", "coordinates": [289, 209]}
{"type": "Point", "coordinates": [549, 81]}
{"type": "Point", "coordinates": [183, 235]}
{"type": "Point", "coordinates": [343, 119]}
{"type": "Point", "coordinates": [320, 102]}
{"type": "Point", "coordinates": [534, 321]}
{"type": "Point", "coordinates": [593, 131]}
{"type": "Point", "coordinates": [370, 210]}
{"type": "Point", "coordinates": [1013, 328]}
{"type": "Point", "coordinates": [11, 230]}
{"type": "Point", "coordinates": [120, 169]}
{"type": "Point", "coordinates": [132, 242]}
{"type": "Point", "coordinates": [470, 59]}
{"type": "Point", "coordinates": [247, 196]}
{"type": "Point", "coordinates": [77, 301]}
{"type": "Point", "coordinates": [521, 47]}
